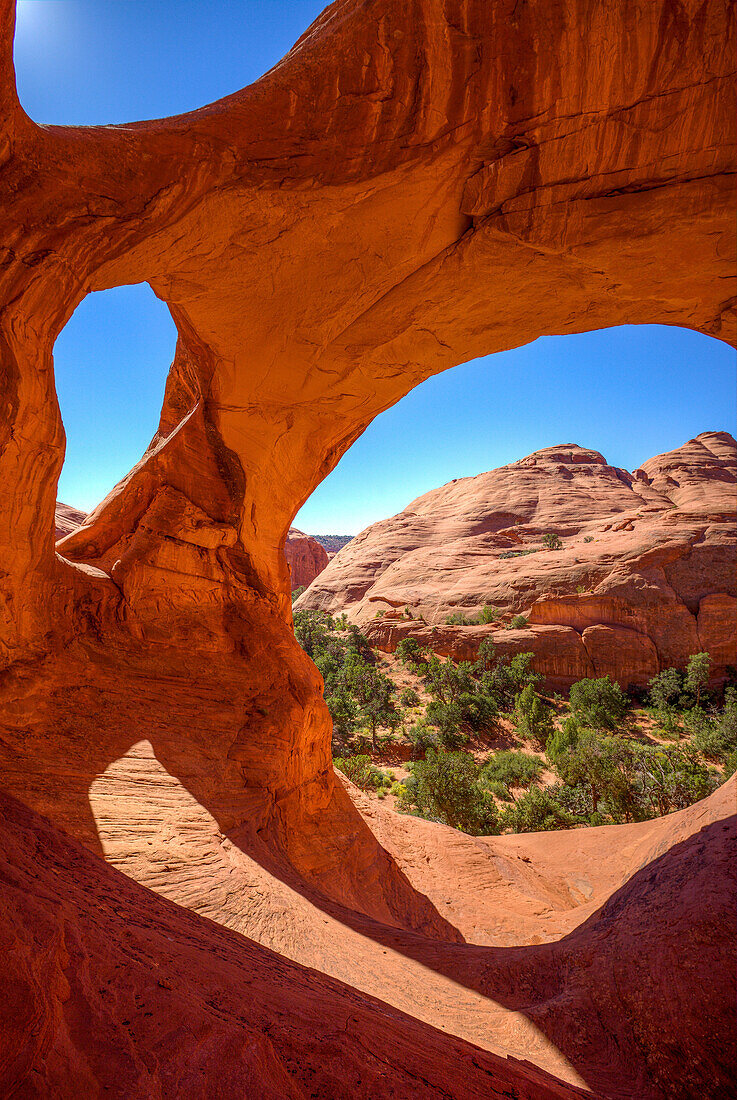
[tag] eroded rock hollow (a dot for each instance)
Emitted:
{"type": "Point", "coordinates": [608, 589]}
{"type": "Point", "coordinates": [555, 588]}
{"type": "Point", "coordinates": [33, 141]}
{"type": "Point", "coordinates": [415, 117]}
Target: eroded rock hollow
{"type": "Point", "coordinates": [417, 183]}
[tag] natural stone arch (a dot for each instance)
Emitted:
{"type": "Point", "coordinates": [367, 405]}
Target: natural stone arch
{"type": "Point", "coordinates": [417, 183]}
{"type": "Point", "coordinates": [413, 185]}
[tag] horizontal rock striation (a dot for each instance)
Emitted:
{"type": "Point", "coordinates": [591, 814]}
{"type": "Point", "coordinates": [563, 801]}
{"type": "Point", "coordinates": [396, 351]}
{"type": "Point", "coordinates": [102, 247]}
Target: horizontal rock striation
{"type": "Point", "coordinates": [306, 558]}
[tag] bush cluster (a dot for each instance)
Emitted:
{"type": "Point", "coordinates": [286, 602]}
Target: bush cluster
{"type": "Point", "coordinates": [588, 768]}
{"type": "Point", "coordinates": [359, 696]}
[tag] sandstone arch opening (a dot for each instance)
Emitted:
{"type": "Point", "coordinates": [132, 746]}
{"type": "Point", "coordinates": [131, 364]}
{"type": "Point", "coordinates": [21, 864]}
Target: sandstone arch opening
{"type": "Point", "coordinates": [529, 167]}
{"type": "Point", "coordinates": [659, 384]}
{"type": "Point", "coordinates": [111, 362]}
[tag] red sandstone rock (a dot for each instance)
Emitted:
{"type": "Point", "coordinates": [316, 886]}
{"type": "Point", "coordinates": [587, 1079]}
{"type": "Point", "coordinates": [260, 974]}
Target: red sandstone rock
{"type": "Point", "coordinates": [67, 519]}
{"type": "Point", "coordinates": [645, 577]}
{"type": "Point", "coordinates": [415, 184]}
{"type": "Point", "coordinates": [109, 989]}
{"type": "Point", "coordinates": [305, 556]}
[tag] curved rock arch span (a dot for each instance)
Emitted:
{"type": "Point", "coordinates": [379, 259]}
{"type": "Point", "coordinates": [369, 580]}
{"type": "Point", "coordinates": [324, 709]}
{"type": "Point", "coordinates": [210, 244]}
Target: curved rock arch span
{"type": "Point", "coordinates": [417, 183]}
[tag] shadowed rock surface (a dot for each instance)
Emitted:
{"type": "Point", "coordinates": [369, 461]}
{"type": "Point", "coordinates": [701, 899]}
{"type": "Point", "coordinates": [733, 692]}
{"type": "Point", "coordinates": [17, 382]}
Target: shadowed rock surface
{"type": "Point", "coordinates": [415, 184]}
{"type": "Point", "coordinates": [645, 575]}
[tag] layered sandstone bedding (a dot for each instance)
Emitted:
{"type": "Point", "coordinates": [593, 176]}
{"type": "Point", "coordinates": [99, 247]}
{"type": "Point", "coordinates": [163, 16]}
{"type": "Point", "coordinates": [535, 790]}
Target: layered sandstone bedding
{"type": "Point", "coordinates": [305, 556]}
{"type": "Point", "coordinates": [414, 185]}
{"type": "Point", "coordinates": [644, 577]}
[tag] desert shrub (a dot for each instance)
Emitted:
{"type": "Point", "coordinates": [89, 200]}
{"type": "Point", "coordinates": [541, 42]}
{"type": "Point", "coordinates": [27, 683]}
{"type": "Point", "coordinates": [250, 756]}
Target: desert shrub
{"type": "Point", "coordinates": [374, 693]}
{"type": "Point", "coordinates": [458, 618]}
{"type": "Point", "coordinates": [672, 777]}
{"type": "Point", "coordinates": [356, 642]}
{"type": "Point", "coordinates": [297, 592]}
{"type": "Point", "coordinates": [478, 711]}
{"type": "Point", "coordinates": [362, 772]}
{"type": "Point", "coordinates": [409, 697]}
{"type": "Point", "coordinates": [355, 691]}
{"type": "Point", "coordinates": [445, 681]}
{"type": "Point", "coordinates": [489, 614]}
{"type": "Point", "coordinates": [532, 717]}
{"type": "Point", "coordinates": [697, 674]}
{"type": "Point", "coordinates": [537, 810]}
{"type": "Point", "coordinates": [588, 538]}
{"type": "Point", "coordinates": [410, 652]}
{"type": "Point", "coordinates": [344, 712]}
{"type": "Point", "coordinates": [665, 689]}
{"type": "Point", "coordinates": [511, 768]}
{"type": "Point", "coordinates": [422, 737]}
{"type": "Point", "coordinates": [519, 553]}
{"type": "Point", "coordinates": [312, 629]}
{"type": "Point", "coordinates": [446, 717]}
{"type": "Point", "coordinates": [502, 679]}
{"type": "Point", "coordinates": [444, 787]}
{"type": "Point", "coordinates": [669, 723]}
{"type": "Point", "coordinates": [602, 766]}
{"type": "Point", "coordinates": [610, 779]}
{"type": "Point", "coordinates": [562, 740]}
{"type": "Point", "coordinates": [552, 542]}
{"type": "Point", "coordinates": [575, 799]}
{"type": "Point", "coordinates": [600, 704]}
{"type": "Point", "coordinates": [498, 789]}
{"type": "Point", "coordinates": [716, 737]}
{"type": "Point", "coordinates": [517, 622]}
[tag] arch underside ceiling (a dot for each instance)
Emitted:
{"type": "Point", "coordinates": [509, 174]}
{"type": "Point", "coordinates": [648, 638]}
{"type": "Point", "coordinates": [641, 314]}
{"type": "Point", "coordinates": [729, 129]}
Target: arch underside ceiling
{"type": "Point", "coordinates": [416, 184]}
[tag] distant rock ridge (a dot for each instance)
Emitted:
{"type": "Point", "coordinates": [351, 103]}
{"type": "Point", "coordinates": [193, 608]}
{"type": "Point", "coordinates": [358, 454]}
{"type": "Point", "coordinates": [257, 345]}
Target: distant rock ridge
{"type": "Point", "coordinates": [333, 543]}
{"type": "Point", "coordinates": [644, 578]}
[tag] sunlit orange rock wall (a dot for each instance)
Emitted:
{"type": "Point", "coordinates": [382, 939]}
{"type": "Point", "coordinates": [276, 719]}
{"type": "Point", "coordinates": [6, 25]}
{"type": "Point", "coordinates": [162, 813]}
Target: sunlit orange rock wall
{"type": "Point", "coordinates": [415, 184]}
{"type": "Point", "coordinates": [305, 556]}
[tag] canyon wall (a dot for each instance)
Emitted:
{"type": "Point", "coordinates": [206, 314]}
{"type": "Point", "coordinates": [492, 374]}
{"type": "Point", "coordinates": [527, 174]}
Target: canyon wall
{"type": "Point", "coordinates": [415, 184]}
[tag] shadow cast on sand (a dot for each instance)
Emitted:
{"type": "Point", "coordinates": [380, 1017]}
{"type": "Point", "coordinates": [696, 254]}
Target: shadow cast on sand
{"type": "Point", "coordinates": [619, 997]}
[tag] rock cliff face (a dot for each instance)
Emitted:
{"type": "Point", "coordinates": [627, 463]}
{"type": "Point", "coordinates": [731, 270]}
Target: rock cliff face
{"type": "Point", "coordinates": [66, 520]}
{"type": "Point", "coordinates": [645, 575]}
{"type": "Point", "coordinates": [415, 184]}
{"type": "Point", "coordinates": [305, 556]}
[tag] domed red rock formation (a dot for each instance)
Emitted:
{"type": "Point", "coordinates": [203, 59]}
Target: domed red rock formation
{"type": "Point", "coordinates": [305, 556]}
{"type": "Point", "coordinates": [66, 520]}
{"type": "Point", "coordinates": [644, 577]}
{"type": "Point", "coordinates": [415, 184]}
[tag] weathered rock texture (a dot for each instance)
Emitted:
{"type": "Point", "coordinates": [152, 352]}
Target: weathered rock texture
{"type": "Point", "coordinates": [645, 577]}
{"type": "Point", "coordinates": [66, 520]}
{"type": "Point", "coordinates": [415, 184]}
{"type": "Point", "coordinates": [305, 556]}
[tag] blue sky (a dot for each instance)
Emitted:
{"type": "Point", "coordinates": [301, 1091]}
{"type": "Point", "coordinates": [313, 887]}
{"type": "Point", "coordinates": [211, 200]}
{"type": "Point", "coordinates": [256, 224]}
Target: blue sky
{"type": "Point", "coordinates": [629, 392]}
